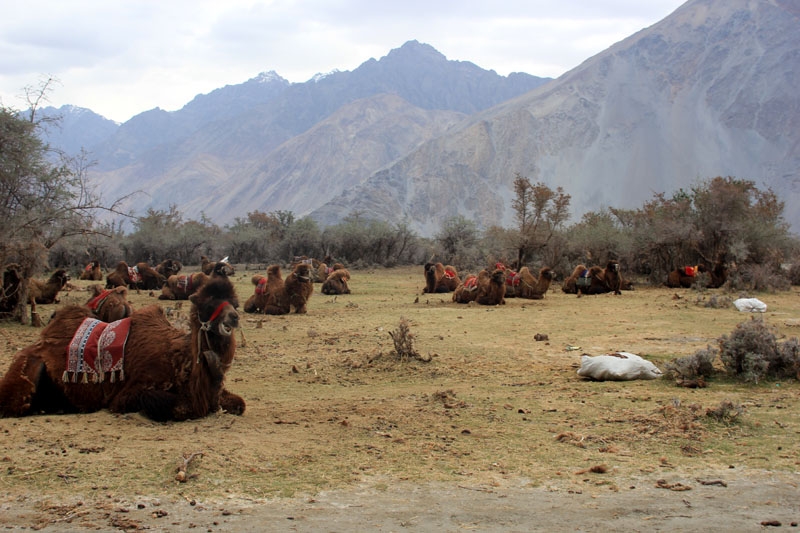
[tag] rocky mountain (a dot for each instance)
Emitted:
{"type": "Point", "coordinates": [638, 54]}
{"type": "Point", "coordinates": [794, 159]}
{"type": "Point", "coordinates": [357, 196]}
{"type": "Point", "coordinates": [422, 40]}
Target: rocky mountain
{"type": "Point", "coordinates": [710, 90]}
{"type": "Point", "coordinates": [72, 128]}
{"type": "Point", "coordinates": [334, 131]}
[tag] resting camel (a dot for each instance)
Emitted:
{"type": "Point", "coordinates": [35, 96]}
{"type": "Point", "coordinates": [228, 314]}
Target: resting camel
{"type": "Point", "coordinates": [183, 286]}
{"type": "Point", "coordinates": [513, 280]}
{"type": "Point", "coordinates": [92, 272]}
{"type": "Point", "coordinates": [168, 267]}
{"type": "Point", "coordinates": [337, 282]}
{"type": "Point", "coordinates": [164, 372]}
{"type": "Point", "coordinates": [594, 280]}
{"type": "Point", "coordinates": [322, 271]}
{"type": "Point", "coordinates": [264, 287]}
{"type": "Point", "coordinates": [10, 294]}
{"type": "Point", "coordinates": [122, 276]}
{"type": "Point", "coordinates": [46, 292]}
{"type": "Point", "coordinates": [295, 293]}
{"type": "Point", "coordinates": [531, 287]}
{"type": "Point", "coordinates": [149, 278]}
{"type": "Point", "coordinates": [109, 305]}
{"type": "Point", "coordinates": [207, 266]}
{"type": "Point", "coordinates": [486, 288]}
{"type": "Point", "coordinates": [440, 278]}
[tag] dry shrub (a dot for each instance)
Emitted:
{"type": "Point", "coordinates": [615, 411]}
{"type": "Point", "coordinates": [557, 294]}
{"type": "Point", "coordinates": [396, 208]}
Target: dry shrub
{"type": "Point", "coordinates": [794, 273]}
{"type": "Point", "coordinates": [714, 301]}
{"type": "Point", "coordinates": [404, 342]}
{"type": "Point", "coordinates": [752, 353]}
{"type": "Point", "coordinates": [727, 412]}
{"type": "Point", "coordinates": [763, 278]}
{"type": "Point", "coordinates": [701, 364]}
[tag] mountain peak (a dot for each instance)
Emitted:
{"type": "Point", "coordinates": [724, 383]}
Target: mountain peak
{"type": "Point", "coordinates": [416, 50]}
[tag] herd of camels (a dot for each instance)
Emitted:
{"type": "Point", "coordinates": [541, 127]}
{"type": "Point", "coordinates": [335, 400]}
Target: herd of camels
{"type": "Point", "coordinates": [105, 355]}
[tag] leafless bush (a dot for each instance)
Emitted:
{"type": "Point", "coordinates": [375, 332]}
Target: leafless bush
{"type": "Point", "coordinates": [404, 342]}
{"type": "Point", "coordinates": [753, 353]}
{"type": "Point", "coordinates": [753, 277]}
{"type": "Point", "coordinates": [727, 412]}
{"type": "Point", "coordinates": [714, 301]}
{"type": "Point", "coordinates": [794, 273]}
{"type": "Point", "coordinates": [701, 364]}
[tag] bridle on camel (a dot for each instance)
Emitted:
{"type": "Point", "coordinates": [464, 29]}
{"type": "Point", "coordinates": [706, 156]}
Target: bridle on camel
{"type": "Point", "coordinates": [205, 327]}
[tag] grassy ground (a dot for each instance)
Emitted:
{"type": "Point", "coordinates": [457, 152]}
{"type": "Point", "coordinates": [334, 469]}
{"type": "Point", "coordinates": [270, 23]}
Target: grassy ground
{"type": "Point", "coordinates": [329, 405]}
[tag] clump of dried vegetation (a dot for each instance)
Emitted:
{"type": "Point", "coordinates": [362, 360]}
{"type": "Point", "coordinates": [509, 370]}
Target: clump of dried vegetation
{"type": "Point", "coordinates": [751, 352]}
{"type": "Point", "coordinates": [404, 342]}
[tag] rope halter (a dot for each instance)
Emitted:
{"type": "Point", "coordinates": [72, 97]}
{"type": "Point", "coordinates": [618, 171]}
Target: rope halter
{"type": "Point", "coordinates": [222, 328]}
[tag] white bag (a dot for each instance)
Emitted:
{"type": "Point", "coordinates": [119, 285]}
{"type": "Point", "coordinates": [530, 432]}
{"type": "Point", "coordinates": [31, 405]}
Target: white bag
{"type": "Point", "coordinates": [752, 305]}
{"type": "Point", "coordinates": [619, 366]}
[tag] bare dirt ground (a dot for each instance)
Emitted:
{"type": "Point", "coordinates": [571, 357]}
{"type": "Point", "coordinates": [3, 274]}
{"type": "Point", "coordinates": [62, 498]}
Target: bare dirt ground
{"type": "Point", "coordinates": [495, 433]}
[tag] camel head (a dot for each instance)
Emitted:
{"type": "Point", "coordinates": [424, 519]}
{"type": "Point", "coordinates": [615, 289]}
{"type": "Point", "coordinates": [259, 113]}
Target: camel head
{"type": "Point", "coordinates": [303, 272]}
{"type": "Point", "coordinates": [215, 305]}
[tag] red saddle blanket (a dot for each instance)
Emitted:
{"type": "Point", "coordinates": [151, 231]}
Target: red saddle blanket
{"type": "Point", "coordinates": [471, 283]}
{"type": "Point", "coordinates": [690, 271]}
{"type": "Point", "coordinates": [512, 278]}
{"type": "Point", "coordinates": [261, 287]}
{"type": "Point", "coordinates": [97, 348]}
{"type": "Point", "coordinates": [185, 283]}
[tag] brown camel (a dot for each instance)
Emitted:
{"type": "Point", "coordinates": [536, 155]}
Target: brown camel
{"type": "Point", "coordinates": [440, 278]}
{"type": "Point", "coordinates": [322, 271]}
{"type": "Point", "coordinates": [337, 282]}
{"type": "Point", "coordinates": [165, 373]}
{"type": "Point", "coordinates": [489, 288]}
{"type": "Point", "coordinates": [181, 287]}
{"type": "Point", "coordinates": [46, 292]}
{"type": "Point", "coordinates": [109, 305]}
{"type": "Point", "coordinates": [169, 267]}
{"type": "Point", "coordinates": [265, 286]}
{"type": "Point", "coordinates": [531, 287]}
{"type": "Point", "coordinates": [10, 292]}
{"type": "Point", "coordinates": [594, 280]}
{"type": "Point", "coordinates": [207, 266]}
{"type": "Point", "coordinates": [92, 272]}
{"type": "Point", "coordinates": [295, 293]}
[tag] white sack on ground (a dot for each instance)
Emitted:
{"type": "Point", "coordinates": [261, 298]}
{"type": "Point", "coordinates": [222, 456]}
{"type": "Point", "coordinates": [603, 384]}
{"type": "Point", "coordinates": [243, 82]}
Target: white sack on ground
{"type": "Point", "coordinates": [751, 305]}
{"type": "Point", "coordinates": [619, 366]}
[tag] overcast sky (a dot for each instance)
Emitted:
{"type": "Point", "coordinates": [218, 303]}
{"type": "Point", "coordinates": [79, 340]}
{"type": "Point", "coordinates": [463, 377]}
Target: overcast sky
{"type": "Point", "coordinates": [121, 57]}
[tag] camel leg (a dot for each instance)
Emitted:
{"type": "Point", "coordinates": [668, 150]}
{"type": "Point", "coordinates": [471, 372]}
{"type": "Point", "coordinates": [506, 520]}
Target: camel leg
{"type": "Point", "coordinates": [231, 403]}
{"type": "Point", "coordinates": [19, 384]}
{"type": "Point", "coordinates": [157, 405]}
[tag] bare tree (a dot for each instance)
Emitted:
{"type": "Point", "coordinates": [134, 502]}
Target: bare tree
{"type": "Point", "coordinates": [540, 212]}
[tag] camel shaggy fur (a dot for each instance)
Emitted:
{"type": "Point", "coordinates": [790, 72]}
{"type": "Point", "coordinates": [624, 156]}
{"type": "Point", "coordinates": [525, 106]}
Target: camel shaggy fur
{"type": "Point", "coordinates": [92, 272]}
{"type": "Point", "coordinates": [169, 267]}
{"type": "Point", "coordinates": [322, 271]}
{"type": "Point", "coordinates": [337, 282]}
{"type": "Point", "coordinates": [295, 293]}
{"type": "Point", "coordinates": [265, 286]}
{"type": "Point", "coordinates": [149, 278]}
{"type": "Point", "coordinates": [11, 290]}
{"type": "Point", "coordinates": [207, 266]}
{"type": "Point", "coordinates": [594, 280]}
{"type": "Point", "coordinates": [489, 288]}
{"type": "Point", "coordinates": [530, 286]}
{"type": "Point", "coordinates": [109, 305]}
{"type": "Point", "coordinates": [166, 373]}
{"type": "Point", "coordinates": [181, 287]}
{"type": "Point", "coordinates": [440, 278]}
{"type": "Point", "coordinates": [46, 292]}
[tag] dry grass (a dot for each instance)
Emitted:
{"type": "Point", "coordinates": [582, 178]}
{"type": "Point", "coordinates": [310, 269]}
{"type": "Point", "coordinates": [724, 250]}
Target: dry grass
{"type": "Point", "coordinates": [326, 408]}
